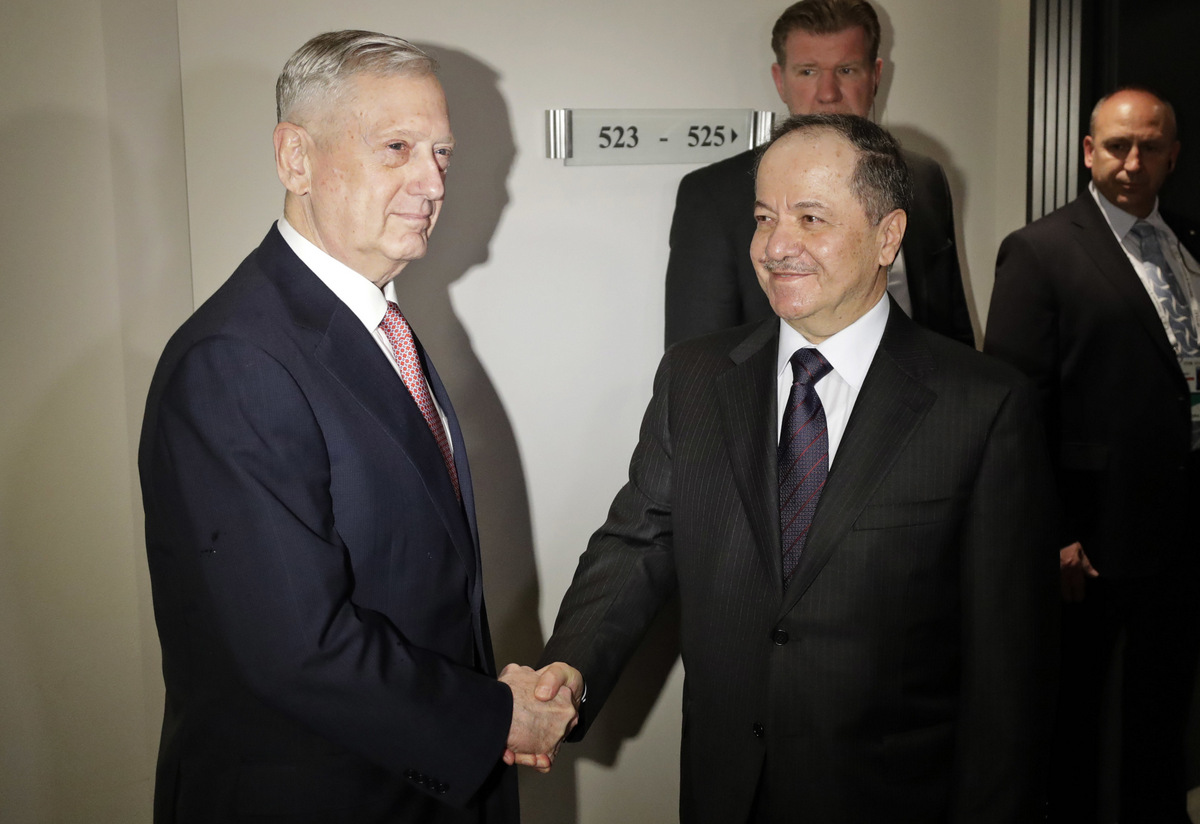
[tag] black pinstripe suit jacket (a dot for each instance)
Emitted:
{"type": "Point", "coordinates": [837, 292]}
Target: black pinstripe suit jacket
{"type": "Point", "coordinates": [903, 673]}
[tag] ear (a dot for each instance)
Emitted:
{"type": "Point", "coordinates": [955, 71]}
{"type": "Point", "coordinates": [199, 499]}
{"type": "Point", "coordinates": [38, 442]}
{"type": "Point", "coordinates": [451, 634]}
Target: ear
{"type": "Point", "coordinates": [1088, 148]}
{"type": "Point", "coordinates": [891, 233]}
{"type": "Point", "coordinates": [1173, 156]}
{"type": "Point", "coordinates": [878, 75]}
{"type": "Point", "coordinates": [777, 76]}
{"type": "Point", "coordinates": [292, 162]}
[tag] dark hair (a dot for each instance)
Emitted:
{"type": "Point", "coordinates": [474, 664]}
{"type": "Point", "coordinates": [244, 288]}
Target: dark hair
{"type": "Point", "coordinates": [825, 17]}
{"type": "Point", "coordinates": [881, 181]}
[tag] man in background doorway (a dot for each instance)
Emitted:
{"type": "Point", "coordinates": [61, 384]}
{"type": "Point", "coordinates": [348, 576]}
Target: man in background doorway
{"type": "Point", "coordinates": [1097, 303]}
{"type": "Point", "coordinates": [827, 61]}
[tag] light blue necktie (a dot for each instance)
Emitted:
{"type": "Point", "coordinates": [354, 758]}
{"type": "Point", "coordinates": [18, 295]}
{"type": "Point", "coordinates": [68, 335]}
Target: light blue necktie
{"type": "Point", "coordinates": [1166, 289]}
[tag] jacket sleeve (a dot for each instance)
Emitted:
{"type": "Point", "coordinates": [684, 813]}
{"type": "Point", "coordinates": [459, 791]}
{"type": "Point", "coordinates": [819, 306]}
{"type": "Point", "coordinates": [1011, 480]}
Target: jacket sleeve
{"type": "Point", "coordinates": [627, 572]}
{"type": "Point", "coordinates": [1009, 587]}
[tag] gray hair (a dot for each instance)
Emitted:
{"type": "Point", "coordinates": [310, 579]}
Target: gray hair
{"type": "Point", "coordinates": [321, 70]}
{"type": "Point", "coordinates": [881, 182]}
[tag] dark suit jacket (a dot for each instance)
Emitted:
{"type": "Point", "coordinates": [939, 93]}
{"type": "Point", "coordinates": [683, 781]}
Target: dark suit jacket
{"type": "Point", "coordinates": [711, 282]}
{"type": "Point", "coordinates": [1069, 310]}
{"type": "Point", "coordinates": [316, 583]}
{"type": "Point", "coordinates": [902, 674]}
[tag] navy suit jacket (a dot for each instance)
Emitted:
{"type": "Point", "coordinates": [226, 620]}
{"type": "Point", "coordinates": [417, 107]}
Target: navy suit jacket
{"type": "Point", "coordinates": [316, 583]}
{"type": "Point", "coordinates": [905, 672]}
{"type": "Point", "coordinates": [711, 282]}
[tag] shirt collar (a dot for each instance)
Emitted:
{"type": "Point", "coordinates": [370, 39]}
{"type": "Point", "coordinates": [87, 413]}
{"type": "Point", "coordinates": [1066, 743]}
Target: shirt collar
{"type": "Point", "coordinates": [1119, 220]}
{"type": "Point", "coordinates": [849, 351]}
{"type": "Point", "coordinates": [362, 297]}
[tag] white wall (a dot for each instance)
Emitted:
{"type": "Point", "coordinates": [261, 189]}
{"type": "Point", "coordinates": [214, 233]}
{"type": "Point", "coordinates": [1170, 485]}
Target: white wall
{"type": "Point", "coordinates": [541, 302]}
{"type": "Point", "coordinates": [94, 236]}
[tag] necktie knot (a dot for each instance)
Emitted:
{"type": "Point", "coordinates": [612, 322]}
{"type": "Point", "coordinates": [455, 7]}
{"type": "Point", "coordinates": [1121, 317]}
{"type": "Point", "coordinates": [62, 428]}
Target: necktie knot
{"type": "Point", "coordinates": [1147, 239]}
{"type": "Point", "coordinates": [808, 366]}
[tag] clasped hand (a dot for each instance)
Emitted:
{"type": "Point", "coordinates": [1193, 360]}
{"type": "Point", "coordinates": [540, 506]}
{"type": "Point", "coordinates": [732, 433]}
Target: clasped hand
{"type": "Point", "coordinates": [545, 710]}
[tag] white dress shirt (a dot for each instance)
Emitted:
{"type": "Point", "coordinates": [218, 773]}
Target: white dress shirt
{"type": "Point", "coordinates": [849, 352]}
{"type": "Point", "coordinates": [367, 301]}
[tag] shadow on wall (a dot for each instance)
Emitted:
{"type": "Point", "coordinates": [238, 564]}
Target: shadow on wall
{"type": "Point", "coordinates": [476, 196]}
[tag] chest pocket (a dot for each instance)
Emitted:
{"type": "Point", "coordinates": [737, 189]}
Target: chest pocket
{"type": "Point", "coordinates": [907, 513]}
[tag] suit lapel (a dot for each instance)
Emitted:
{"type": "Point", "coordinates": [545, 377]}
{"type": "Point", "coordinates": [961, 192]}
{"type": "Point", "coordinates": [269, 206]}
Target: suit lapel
{"type": "Point", "coordinates": [893, 401]}
{"type": "Point", "coordinates": [746, 394]}
{"type": "Point", "coordinates": [467, 490]}
{"type": "Point", "coordinates": [347, 351]}
{"type": "Point", "coordinates": [1095, 237]}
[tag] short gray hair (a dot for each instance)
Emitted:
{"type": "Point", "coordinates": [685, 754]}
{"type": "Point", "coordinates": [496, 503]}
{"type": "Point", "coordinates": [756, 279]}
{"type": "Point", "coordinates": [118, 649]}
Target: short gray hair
{"type": "Point", "coordinates": [882, 182]}
{"type": "Point", "coordinates": [321, 70]}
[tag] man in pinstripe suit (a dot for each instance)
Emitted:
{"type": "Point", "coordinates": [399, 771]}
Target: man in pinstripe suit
{"type": "Point", "coordinates": [901, 672]}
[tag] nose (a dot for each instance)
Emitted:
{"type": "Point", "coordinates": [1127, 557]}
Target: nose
{"type": "Point", "coordinates": [1133, 160]}
{"type": "Point", "coordinates": [828, 90]}
{"type": "Point", "coordinates": [429, 178]}
{"type": "Point", "coordinates": [781, 242]}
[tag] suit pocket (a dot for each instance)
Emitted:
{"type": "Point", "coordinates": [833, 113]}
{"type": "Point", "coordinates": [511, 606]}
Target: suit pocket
{"type": "Point", "coordinates": [1083, 457]}
{"type": "Point", "coordinates": [907, 513]}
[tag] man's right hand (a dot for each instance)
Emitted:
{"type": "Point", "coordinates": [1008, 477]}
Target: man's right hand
{"type": "Point", "coordinates": [1074, 569]}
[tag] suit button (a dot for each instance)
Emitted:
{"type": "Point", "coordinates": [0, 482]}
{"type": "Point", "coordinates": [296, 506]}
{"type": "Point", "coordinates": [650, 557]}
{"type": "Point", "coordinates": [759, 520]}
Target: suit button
{"type": "Point", "coordinates": [759, 732]}
{"type": "Point", "coordinates": [780, 637]}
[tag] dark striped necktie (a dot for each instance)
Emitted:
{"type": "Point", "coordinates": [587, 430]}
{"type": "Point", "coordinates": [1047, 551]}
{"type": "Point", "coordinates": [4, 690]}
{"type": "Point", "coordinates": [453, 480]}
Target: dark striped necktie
{"type": "Point", "coordinates": [803, 456]}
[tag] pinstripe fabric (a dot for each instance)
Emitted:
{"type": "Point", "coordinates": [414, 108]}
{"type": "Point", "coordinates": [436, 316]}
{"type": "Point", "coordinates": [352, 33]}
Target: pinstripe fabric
{"type": "Point", "coordinates": [899, 670]}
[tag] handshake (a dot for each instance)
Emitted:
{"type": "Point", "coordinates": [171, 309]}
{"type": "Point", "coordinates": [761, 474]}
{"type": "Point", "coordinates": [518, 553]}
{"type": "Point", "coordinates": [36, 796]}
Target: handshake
{"type": "Point", "coordinates": [545, 710]}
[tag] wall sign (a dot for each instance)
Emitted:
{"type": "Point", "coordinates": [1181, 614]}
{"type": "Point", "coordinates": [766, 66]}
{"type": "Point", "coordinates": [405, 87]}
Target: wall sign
{"type": "Point", "coordinates": [621, 137]}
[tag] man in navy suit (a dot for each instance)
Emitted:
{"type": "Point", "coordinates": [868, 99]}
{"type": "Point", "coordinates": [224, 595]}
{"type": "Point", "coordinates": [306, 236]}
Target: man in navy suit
{"type": "Point", "coordinates": [1098, 303]}
{"type": "Point", "coordinates": [310, 517]}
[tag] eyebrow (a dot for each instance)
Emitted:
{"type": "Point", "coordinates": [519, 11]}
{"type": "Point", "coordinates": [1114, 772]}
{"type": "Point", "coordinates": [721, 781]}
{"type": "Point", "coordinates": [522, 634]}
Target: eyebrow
{"type": "Point", "coordinates": [807, 204]}
{"type": "Point", "coordinates": [390, 133]}
{"type": "Point", "coordinates": [848, 62]}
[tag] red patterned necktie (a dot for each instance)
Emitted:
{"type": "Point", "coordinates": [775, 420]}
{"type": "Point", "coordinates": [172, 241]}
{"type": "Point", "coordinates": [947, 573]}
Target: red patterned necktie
{"type": "Point", "coordinates": [803, 456]}
{"type": "Point", "coordinates": [399, 335]}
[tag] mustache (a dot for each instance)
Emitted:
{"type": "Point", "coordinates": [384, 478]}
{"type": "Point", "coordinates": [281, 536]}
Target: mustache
{"type": "Point", "coordinates": [787, 265]}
